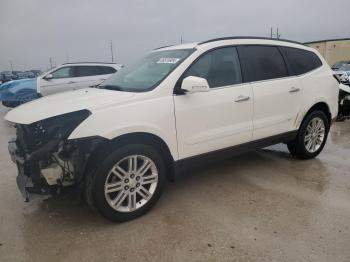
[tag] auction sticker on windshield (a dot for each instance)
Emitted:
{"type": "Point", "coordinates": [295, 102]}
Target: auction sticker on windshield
{"type": "Point", "coordinates": [168, 60]}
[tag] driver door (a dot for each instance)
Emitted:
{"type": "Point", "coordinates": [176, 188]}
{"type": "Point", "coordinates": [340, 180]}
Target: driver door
{"type": "Point", "coordinates": [63, 79]}
{"type": "Point", "coordinates": [221, 117]}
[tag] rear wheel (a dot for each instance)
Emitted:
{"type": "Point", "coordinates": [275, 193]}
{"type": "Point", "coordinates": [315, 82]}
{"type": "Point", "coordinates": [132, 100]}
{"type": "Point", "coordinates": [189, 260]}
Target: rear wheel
{"type": "Point", "coordinates": [128, 183]}
{"type": "Point", "coordinates": [312, 136]}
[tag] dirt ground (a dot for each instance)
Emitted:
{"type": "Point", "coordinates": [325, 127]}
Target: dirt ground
{"type": "Point", "coordinates": [261, 206]}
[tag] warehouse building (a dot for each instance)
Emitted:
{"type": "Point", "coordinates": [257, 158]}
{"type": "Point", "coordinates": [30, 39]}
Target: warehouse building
{"type": "Point", "coordinates": [333, 50]}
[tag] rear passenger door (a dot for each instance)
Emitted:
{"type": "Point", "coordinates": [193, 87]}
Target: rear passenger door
{"type": "Point", "coordinates": [276, 94]}
{"type": "Point", "coordinates": [87, 76]}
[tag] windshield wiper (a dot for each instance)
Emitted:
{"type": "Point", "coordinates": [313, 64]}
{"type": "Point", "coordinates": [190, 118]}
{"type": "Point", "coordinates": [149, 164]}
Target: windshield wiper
{"type": "Point", "coordinates": [111, 87]}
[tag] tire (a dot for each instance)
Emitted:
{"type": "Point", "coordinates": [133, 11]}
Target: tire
{"type": "Point", "coordinates": [303, 146]}
{"type": "Point", "coordinates": [10, 104]}
{"type": "Point", "coordinates": [124, 193]}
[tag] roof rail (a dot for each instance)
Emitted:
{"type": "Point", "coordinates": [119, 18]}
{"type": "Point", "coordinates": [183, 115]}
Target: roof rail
{"type": "Point", "coordinates": [248, 37]}
{"type": "Point", "coordinates": [162, 47]}
{"type": "Point", "coordinates": [70, 63]}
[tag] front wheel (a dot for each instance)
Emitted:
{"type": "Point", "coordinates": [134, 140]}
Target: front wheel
{"type": "Point", "coordinates": [312, 136]}
{"type": "Point", "coordinates": [128, 183]}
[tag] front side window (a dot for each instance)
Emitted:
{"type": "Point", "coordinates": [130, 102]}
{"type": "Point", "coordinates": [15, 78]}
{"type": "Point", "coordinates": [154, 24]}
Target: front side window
{"type": "Point", "coordinates": [63, 72]}
{"type": "Point", "coordinates": [148, 72]}
{"type": "Point", "coordinates": [219, 67]}
{"type": "Point", "coordinates": [300, 61]}
{"type": "Point", "coordinates": [261, 63]}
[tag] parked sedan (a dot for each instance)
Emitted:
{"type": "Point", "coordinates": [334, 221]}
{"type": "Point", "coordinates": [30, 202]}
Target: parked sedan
{"type": "Point", "coordinates": [71, 76]}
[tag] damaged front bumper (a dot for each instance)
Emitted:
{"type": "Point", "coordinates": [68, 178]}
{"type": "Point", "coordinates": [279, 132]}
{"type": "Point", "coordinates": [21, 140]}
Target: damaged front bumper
{"type": "Point", "coordinates": [40, 177]}
{"type": "Point", "coordinates": [24, 182]}
{"type": "Point", "coordinates": [46, 160]}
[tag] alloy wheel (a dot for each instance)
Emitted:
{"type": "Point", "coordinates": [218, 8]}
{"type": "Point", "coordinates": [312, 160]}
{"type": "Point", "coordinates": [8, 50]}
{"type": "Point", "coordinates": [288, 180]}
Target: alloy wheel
{"type": "Point", "coordinates": [314, 135]}
{"type": "Point", "coordinates": [131, 183]}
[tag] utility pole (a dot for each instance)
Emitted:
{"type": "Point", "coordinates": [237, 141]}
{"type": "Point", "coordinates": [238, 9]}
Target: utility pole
{"type": "Point", "coordinates": [112, 51]}
{"type": "Point", "coordinates": [181, 40]}
{"type": "Point", "coordinates": [67, 57]}
{"type": "Point", "coordinates": [11, 66]}
{"type": "Point", "coordinates": [277, 34]}
{"type": "Point", "coordinates": [50, 60]}
{"type": "Point", "coordinates": [271, 33]}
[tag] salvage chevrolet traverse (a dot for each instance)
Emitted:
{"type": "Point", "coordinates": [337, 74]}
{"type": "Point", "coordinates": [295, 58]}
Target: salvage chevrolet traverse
{"type": "Point", "coordinates": [177, 106]}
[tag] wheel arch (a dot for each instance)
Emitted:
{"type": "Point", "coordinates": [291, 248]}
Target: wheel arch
{"type": "Point", "coordinates": [322, 106]}
{"type": "Point", "coordinates": [150, 139]}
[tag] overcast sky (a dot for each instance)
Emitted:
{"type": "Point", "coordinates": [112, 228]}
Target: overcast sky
{"type": "Point", "coordinates": [32, 31]}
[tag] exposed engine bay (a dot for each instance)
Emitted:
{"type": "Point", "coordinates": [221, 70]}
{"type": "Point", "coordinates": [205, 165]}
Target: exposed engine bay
{"type": "Point", "coordinates": [46, 159]}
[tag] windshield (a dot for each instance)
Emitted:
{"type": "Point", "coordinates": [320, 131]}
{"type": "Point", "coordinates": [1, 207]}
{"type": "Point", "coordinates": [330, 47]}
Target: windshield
{"type": "Point", "coordinates": [148, 72]}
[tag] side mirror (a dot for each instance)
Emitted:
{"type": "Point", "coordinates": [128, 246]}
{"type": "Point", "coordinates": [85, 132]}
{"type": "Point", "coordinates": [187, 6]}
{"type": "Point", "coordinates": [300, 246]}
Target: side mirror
{"type": "Point", "coordinates": [48, 77]}
{"type": "Point", "coordinates": [193, 84]}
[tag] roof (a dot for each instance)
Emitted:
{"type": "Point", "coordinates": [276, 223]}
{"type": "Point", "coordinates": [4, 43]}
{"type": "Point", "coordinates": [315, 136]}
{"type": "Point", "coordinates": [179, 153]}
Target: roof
{"type": "Point", "coordinates": [328, 40]}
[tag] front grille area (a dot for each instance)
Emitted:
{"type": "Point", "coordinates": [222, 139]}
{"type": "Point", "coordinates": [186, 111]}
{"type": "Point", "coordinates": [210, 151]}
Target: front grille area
{"type": "Point", "coordinates": [31, 137]}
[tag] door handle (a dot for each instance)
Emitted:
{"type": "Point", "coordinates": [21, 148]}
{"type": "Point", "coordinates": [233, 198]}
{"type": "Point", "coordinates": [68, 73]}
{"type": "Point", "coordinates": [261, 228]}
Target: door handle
{"type": "Point", "coordinates": [71, 82]}
{"type": "Point", "coordinates": [242, 98]}
{"type": "Point", "coordinates": [294, 89]}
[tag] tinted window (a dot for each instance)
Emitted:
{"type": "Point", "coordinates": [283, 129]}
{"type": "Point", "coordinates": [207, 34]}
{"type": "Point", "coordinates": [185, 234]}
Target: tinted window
{"type": "Point", "coordinates": [63, 72]}
{"type": "Point", "coordinates": [300, 61]}
{"type": "Point", "coordinates": [261, 63]}
{"type": "Point", "coordinates": [86, 71]}
{"type": "Point", "coordinates": [105, 70]}
{"type": "Point", "coordinates": [219, 67]}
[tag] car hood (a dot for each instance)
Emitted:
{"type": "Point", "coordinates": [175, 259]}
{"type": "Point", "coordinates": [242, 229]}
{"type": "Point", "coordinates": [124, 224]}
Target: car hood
{"type": "Point", "coordinates": [62, 103]}
{"type": "Point", "coordinates": [18, 90]}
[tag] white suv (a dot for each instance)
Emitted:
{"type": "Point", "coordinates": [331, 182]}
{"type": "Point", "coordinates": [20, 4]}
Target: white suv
{"type": "Point", "coordinates": [66, 77]}
{"type": "Point", "coordinates": [179, 105]}
{"type": "Point", "coordinates": [72, 76]}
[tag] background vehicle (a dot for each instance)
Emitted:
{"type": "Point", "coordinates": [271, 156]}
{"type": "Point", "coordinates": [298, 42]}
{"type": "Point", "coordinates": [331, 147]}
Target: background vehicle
{"type": "Point", "coordinates": [70, 76]}
{"type": "Point", "coordinates": [339, 64]}
{"type": "Point", "coordinates": [344, 103]}
{"type": "Point", "coordinates": [345, 69]}
{"type": "Point", "coordinates": [177, 107]}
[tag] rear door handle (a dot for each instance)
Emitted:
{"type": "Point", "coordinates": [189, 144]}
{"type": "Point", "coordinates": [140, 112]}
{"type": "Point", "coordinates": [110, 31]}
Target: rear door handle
{"type": "Point", "coordinates": [71, 82]}
{"type": "Point", "coordinates": [242, 98]}
{"type": "Point", "coordinates": [294, 89]}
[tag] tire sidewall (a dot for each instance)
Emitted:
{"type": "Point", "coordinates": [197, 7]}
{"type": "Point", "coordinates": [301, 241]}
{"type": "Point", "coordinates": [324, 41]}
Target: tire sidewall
{"type": "Point", "coordinates": [101, 173]}
{"type": "Point", "coordinates": [303, 130]}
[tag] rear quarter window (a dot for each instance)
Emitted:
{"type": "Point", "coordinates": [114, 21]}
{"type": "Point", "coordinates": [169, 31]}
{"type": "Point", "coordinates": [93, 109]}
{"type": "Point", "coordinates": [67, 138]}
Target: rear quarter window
{"type": "Point", "coordinates": [106, 70]}
{"type": "Point", "coordinates": [300, 61]}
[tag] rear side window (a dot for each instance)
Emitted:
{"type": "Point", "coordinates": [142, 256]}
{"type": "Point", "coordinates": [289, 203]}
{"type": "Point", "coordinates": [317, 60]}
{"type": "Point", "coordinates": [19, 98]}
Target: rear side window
{"type": "Point", "coordinates": [220, 67]}
{"type": "Point", "coordinates": [300, 61]}
{"type": "Point", "coordinates": [105, 70]}
{"type": "Point", "coordinates": [261, 63]}
{"type": "Point", "coordinates": [81, 71]}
